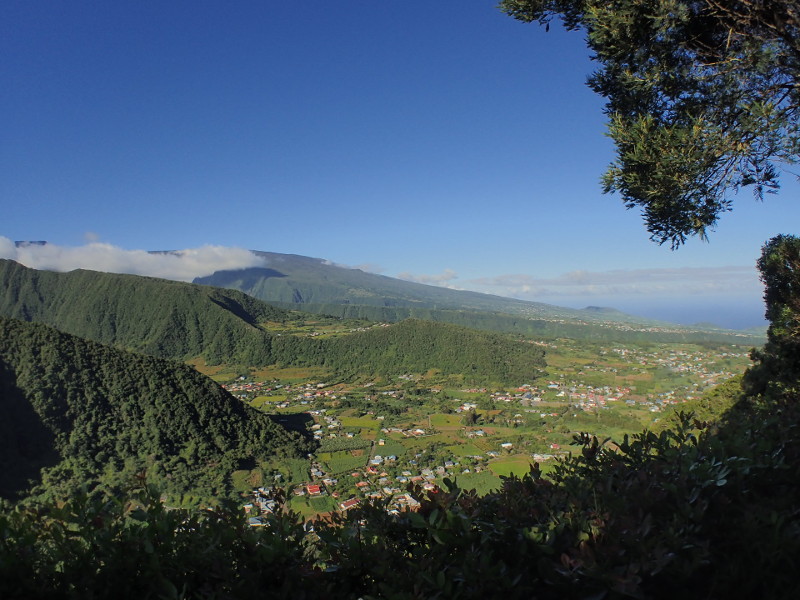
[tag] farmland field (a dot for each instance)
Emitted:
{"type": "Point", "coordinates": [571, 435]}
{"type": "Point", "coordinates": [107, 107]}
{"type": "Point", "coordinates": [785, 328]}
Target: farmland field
{"type": "Point", "coordinates": [342, 462]}
{"type": "Point", "coordinates": [517, 465]}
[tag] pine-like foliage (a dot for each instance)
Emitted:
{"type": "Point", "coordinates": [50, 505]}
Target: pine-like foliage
{"type": "Point", "coordinates": [702, 98]}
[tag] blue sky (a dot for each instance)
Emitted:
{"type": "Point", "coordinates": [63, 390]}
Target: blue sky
{"type": "Point", "coordinates": [441, 142]}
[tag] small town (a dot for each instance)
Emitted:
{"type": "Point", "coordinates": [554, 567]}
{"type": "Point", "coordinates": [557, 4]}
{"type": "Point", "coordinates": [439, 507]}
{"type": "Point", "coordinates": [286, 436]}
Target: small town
{"type": "Point", "coordinates": [378, 440]}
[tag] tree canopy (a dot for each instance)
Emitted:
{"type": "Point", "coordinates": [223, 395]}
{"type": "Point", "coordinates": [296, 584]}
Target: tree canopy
{"type": "Point", "coordinates": [776, 372]}
{"type": "Point", "coordinates": [703, 98]}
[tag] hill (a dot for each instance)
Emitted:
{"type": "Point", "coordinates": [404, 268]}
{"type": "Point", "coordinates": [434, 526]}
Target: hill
{"type": "Point", "coordinates": [183, 321]}
{"type": "Point", "coordinates": [414, 346]}
{"type": "Point", "coordinates": [163, 318]}
{"type": "Point", "coordinates": [85, 411]}
{"type": "Point", "coordinates": [304, 280]}
{"type": "Point", "coordinates": [317, 286]}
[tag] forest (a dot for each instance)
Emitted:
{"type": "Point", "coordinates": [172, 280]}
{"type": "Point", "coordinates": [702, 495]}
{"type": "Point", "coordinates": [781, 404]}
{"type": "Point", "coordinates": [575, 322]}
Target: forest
{"type": "Point", "coordinates": [78, 414]}
{"type": "Point", "coordinates": [183, 321]}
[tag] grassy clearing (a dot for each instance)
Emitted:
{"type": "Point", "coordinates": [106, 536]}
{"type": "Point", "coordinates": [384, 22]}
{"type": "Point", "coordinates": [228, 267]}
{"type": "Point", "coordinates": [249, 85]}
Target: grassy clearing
{"type": "Point", "coordinates": [369, 434]}
{"type": "Point", "coordinates": [342, 462]}
{"type": "Point", "coordinates": [390, 447]}
{"type": "Point", "coordinates": [264, 402]}
{"type": "Point", "coordinates": [360, 422]}
{"type": "Point", "coordinates": [464, 449]}
{"type": "Point", "coordinates": [422, 442]}
{"type": "Point", "coordinates": [291, 374]}
{"type": "Point", "coordinates": [246, 480]}
{"type": "Point", "coordinates": [294, 470]}
{"type": "Point", "coordinates": [441, 421]}
{"type": "Point", "coordinates": [512, 465]}
{"type": "Point", "coordinates": [483, 482]}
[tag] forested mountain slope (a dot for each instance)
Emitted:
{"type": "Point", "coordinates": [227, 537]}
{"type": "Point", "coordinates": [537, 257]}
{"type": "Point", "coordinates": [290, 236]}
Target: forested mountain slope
{"type": "Point", "coordinates": [318, 286]}
{"type": "Point", "coordinates": [155, 316]}
{"type": "Point", "coordinates": [86, 411]}
{"type": "Point", "coordinates": [180, 321]}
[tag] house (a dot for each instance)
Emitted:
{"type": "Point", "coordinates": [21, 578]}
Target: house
{"type": "Point", "coordinates": [348, 504]}
{"type": "Point", "coordinates": [314, 490]}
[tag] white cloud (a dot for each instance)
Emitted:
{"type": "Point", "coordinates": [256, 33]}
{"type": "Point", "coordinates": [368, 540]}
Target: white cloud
{"type": "Point", "coordinates": [366, 267]}
{"type": "Point", "coordinates": [684, 281]}
{"type": "Point", "coordinates": [181, 265]}
{"type": "Point", "coordinates": [443, 279]}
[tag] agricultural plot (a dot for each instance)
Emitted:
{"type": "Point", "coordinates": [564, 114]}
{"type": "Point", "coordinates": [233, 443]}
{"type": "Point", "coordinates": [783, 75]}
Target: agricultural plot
{"type": "Point", "coordinates": [360, 422]}
{"type": "Point", "coordinates": [512, 465]}
{"type": "Point", "coordinates": [464, 450]}
{"type": "Point", "coordinates": [441, 421]}
{"type": "Point", "coordinates": [390, 447]}
{"type": "Point", "coordinates": [483, 482]}
{"type": "Point", "coordinates": [342, 462]}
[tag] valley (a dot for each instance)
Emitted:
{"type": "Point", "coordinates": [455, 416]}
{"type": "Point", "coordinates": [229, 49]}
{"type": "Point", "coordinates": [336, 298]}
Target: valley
{"type": "Point", "coordinates": [375, 439]}
{"type": "Point", "coordinates": [246, 443]}
{"type": "Point", "coordinates": [361, 408]}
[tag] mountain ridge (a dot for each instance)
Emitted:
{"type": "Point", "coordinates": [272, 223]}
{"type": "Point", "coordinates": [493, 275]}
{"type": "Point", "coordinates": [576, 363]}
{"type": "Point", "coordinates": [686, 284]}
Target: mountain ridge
{"type": "Point", "coordinates": [184, 321]}
{"type": "Point", "coordinates": [316, 285]}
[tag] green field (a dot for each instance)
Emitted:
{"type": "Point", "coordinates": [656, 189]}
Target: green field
{"type": "Point", "coordinates": [267, 403]}
{"type": "Point", "coordinates": [424, 441]}
{"type": "Point", "coordinates": [464, 450]}
{"type": "Point", "coordinates": [441, 421]}
{"type": "Point", "coordinates": [360, 422]}
{"type": "Point", "coordinates": [342, 462]}
{"type": "Point", "coordinates": [311, 507]}
{"type": "Point", "coordinates": [294, 470]}
{"type": "Point", "coordinates": [482, 482]}
{"type": "Point", "coordinates": [390, 447]}
{"type": "Point", "coordinates": [518, 465]}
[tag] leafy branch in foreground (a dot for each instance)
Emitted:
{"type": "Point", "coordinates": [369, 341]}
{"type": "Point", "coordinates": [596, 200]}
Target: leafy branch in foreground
{"type": "Point", "coordinates": [703, 99]}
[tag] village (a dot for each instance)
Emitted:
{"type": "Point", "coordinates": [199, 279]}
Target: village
{"type": "Point", "coordinates": [378, 440]}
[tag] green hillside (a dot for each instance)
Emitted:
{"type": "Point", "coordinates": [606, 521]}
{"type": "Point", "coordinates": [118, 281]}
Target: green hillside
{"type": "Point", "coordinates": [163, 318]}
{"type": "Point", "coordinates": [317, 286]}
{"type": "Point", "coordinates": [182, 321]}
{"type": "Point", "coordinates": [415, 346]}
{"type": "Point", "coordinates": [87, 411]}
{"type": "Point", "coordinates": [305, 280]}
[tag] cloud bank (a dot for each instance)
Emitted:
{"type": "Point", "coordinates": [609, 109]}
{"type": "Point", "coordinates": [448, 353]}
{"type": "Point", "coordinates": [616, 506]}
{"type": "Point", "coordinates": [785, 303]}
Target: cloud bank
{"type": "Point", "coordinates": [366, 267]}
{"type": "Point", "coordinates": [443, 279]}
{"type": "Point", "coordinates": [684, 281]}
{"type": "Point", "coordinates": [179, 265]}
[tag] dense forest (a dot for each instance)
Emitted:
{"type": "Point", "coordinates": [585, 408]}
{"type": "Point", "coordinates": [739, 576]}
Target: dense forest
{"type": "Point", "coordinates": [86, 412]}
{"type": "Point", "coordinates": [182, 321]}
{"type": "Point", "coordinates": [163, 318]}
{"type": "Point", "coordinates": [415, 346]}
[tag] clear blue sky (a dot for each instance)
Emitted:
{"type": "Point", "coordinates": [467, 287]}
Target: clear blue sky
{"type": "Point", "coordinates": [439, 141]}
